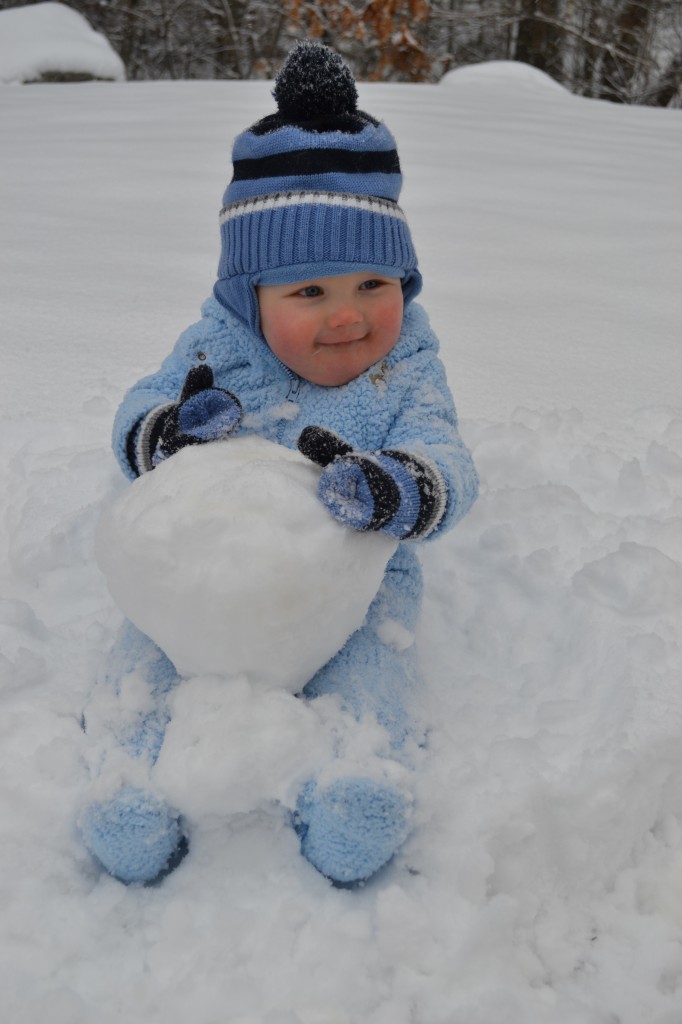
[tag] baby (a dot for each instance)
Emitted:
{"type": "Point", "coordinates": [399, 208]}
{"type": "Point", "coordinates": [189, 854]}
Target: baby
{"type": "Point", "coordinates": [312, 340]}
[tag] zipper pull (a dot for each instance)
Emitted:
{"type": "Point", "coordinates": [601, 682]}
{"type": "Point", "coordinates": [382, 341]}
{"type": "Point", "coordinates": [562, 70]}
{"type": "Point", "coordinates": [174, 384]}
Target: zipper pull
{"type": "Point", "coordinates": [294, 385]}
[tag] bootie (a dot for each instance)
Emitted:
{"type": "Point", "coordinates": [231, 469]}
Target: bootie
{"type": "Point", "coordinates": [352, 828]}
{"type": "Point", "coordinates": [135, 836]}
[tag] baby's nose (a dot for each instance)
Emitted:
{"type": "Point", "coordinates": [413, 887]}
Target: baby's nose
{"type": "Point", "coordinates": [344, 315]}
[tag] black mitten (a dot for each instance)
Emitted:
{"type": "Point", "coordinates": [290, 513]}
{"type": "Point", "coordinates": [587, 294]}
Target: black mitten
{"type": "Point", "coordinates": [202, 413]}
{"type": "Point", "coordinates": [389, 490]}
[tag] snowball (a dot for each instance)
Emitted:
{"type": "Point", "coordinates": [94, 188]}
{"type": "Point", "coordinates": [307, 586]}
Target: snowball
{"type": "Point", "coordinates": [225, 556]}
{"type": "Point", "coordinates": [231, 747]}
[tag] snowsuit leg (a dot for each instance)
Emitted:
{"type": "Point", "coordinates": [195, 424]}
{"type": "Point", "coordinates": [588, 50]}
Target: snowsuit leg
{"type": "Point", "coordinates": [376, 672]}
{"type": "Point", "coordinates": [132, 696]}
{"type": "Point", "coordinates": [132, 832]}
{"type": "Point", "coordinates": [353, 826]}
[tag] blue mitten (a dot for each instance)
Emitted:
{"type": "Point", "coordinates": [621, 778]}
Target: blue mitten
{"type": "Point", "coordinates": [202, 413]}
{"type": "Point", "coordinates": [393, 491]}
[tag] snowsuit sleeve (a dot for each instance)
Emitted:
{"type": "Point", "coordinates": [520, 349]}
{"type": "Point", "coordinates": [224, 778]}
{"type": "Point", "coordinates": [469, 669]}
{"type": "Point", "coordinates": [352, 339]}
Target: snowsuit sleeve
{"type": "Point", "coordinates": [426, 426]}
{"type": "Point", "coordinates": [157, 389]}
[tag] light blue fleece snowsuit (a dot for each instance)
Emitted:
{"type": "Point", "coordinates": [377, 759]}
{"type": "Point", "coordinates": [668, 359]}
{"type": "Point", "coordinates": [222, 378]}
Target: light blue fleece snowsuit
{"type": "Point", "coordinates": [404, 402]}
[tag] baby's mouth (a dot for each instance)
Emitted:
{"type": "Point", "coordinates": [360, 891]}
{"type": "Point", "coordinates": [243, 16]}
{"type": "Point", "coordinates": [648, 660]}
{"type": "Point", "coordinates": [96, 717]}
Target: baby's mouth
{"type": "Point", "coordinates": [345, 338]}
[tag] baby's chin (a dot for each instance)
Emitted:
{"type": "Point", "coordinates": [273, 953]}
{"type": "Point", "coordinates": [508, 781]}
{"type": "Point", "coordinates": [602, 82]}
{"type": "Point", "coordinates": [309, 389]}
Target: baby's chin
{"type": "Point", "coordinates": [333, 377]}
{"type": "Point", "coordinates": [334, 369]}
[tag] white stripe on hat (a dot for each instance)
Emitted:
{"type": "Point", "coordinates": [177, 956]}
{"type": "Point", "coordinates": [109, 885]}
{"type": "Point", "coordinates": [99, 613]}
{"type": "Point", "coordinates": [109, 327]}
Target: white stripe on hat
{"type": "Point", "coordinates": [278, 200]}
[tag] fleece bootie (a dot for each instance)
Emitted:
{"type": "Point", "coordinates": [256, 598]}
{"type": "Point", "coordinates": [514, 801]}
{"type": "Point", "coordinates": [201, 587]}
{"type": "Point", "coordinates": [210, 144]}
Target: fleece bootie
{"type": "Point", "coordinates": [352, 828]}
{"type": "Point", "coordinates": [135, 836]}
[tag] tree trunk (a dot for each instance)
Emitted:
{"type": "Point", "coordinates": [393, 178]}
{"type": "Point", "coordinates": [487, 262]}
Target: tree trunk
{"type": "Point", "coordinates": [622, 58]}
{"type": "Point", "coordinates": [538, 41]}
{"type": "Point", "coordinates": [668, 86]}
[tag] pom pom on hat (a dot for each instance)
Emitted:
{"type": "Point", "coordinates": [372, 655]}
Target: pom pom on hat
{"type": "Point", "coordinates": [315, 90]}
{"type": "Point", "coordinates": [314, 82]}
{"type": "Point", "coordinates": [314, 190]}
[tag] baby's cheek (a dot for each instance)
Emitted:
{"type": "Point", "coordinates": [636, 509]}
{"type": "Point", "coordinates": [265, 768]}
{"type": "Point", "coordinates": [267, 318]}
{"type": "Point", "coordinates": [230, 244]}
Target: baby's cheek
{"type": "Point", "coordinates": [389, 319]}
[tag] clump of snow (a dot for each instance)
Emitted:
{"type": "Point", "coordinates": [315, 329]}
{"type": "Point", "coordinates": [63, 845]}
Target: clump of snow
{"type": "Point", "coordinates": [231, 747]}
{"type": "Point", "coordinates": [225, 556]}
{"type": "Point", "coordinates": [50, 37]}
{"type": "Point", "coordinates": [508, 74]}
{"type": "Point", "coordinates": [235, 748]}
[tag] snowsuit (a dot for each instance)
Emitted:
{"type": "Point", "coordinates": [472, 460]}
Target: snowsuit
{"type": "Point", "coordinates": [402, 403]}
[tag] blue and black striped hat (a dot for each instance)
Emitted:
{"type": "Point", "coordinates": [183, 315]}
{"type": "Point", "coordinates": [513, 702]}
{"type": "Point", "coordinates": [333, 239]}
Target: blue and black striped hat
{"type": "Point", "coordinates": [314, 190]}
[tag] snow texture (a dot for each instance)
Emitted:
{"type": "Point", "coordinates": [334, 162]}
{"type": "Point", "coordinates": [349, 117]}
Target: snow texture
{"type": "Point", "coordinates": [225, 556]}
{"type": "Point", "coordinates": [542, 883]}
{"type": "Point", "coordinates": [51, 37]}
{"type": "Point", "coordinates": [510, 74]}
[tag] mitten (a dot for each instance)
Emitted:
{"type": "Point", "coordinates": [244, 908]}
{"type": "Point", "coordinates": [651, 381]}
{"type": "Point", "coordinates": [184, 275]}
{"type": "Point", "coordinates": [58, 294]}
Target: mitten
{"type": "Point", "coordinates": [394, 491]}
{"type": "Point", "coordinates": [202, 413]}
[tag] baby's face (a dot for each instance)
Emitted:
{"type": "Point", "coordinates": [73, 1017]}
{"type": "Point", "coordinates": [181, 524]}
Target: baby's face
{"type": "Point", "coordinates": [331, 329]}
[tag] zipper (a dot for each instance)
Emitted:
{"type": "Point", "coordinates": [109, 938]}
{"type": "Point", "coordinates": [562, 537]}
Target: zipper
{"type": "Point", "coordinates": [294, 384]}
{"type": "Point", "coordinates": [292, 393]}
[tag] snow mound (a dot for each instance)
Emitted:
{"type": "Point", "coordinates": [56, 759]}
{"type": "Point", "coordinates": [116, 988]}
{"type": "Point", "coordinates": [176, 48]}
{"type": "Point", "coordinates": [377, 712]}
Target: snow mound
{"type": "Point", "coordinates": [51, 37]}
{"type": "Point", "coordinates": [210, 765]}
{"type": "Point", "coordinates": [233, 748]}
{"type": "Point", "coordinates": [511, 74]}
{"type": "Point", "coordinates": [227, 559]}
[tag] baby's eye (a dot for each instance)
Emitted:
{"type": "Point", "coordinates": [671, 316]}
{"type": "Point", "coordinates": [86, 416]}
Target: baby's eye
{"type": "Point", "coordinates": [311, 291]}
{"type": "Point", "coordinates": [367, 286]}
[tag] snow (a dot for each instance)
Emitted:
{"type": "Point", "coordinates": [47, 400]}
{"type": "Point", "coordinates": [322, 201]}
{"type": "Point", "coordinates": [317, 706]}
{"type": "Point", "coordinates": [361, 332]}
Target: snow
{"type": "Point", "coordinates": [49, 37]}
{"type": "Point", "coordinates": [207, 763]}
{"type": "Point", "coordinates": [543, 883]}
{"type": "Point", "coordinates": [509, 74]}
{"type": "Point", "coordinates": [195, 557]}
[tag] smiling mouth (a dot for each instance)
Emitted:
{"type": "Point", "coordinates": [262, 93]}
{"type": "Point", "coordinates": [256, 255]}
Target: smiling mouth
{"type": "Point", "coordinates": [342, 340]}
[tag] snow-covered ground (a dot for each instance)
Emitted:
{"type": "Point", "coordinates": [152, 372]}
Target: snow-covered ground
{"type": "Point", "coordinates": [40, 39]}
{"type": "Point", "coordinates": [543, 884]}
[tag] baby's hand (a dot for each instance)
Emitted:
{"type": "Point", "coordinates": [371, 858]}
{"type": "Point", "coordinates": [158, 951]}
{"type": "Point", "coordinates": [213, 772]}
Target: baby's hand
{"type": "Point", "coordinates": [202, 413]}
{"type": "Point", "coordinates": [391, 491]}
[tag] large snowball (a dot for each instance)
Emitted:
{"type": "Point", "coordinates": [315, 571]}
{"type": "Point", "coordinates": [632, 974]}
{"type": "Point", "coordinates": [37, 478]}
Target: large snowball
{"type": "Point", "coordinates": [226, 558]}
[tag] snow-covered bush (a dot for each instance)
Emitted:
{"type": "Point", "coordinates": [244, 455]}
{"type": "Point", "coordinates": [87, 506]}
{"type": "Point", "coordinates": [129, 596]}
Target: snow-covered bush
{"type": "Point", "coordinates": [51, 42]}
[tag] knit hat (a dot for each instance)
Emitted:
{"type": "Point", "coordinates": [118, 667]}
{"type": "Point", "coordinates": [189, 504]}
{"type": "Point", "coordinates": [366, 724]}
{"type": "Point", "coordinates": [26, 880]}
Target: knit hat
{"type": "Point", "coordinates": [314, 191]}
